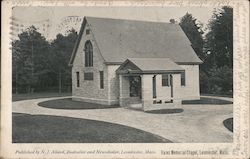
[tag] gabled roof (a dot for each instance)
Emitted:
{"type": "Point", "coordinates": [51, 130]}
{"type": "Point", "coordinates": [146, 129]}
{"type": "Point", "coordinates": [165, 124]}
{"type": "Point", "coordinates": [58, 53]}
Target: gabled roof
{"type": "Point", "coordinates": [119, 40]}
{"type": "Point", "coordinates": [148, 65]}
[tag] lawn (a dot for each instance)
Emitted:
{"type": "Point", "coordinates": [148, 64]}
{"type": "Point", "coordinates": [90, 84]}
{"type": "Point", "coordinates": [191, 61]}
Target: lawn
{"type": "Point", "coordinates": [55, 129]}
{"type": "Point", "coordinates": [228, 123]}
{"type": "Point", "coordinates": [165, 111]}
{"type": "Point", "coordinates": [67, 103]}
{"type": "Point", "coordinates": [218, 95]}
{"type": "Point", "coordinates": [207, 100]}
{"type": "Point", "coordinates": [18, 97]}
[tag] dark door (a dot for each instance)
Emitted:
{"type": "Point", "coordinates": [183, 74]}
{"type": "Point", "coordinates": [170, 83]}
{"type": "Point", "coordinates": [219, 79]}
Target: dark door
{"type": "Point", "coordinates": [135, 86]}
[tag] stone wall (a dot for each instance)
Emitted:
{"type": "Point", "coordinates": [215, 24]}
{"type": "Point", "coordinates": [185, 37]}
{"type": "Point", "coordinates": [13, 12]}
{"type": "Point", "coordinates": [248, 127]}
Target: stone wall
{"type": "Point", "coordinates": [124, 99]}
{"type": "Point", "coordinates": [113, 84]}
{"type": "Point", "coordinates": [191, 91]}
{"type": "Point", "coordinates": [89, 90]}
{"type": "Point", "coordinates": [147, 95]}
{"type": "Point", "coordinates": [163, 92]}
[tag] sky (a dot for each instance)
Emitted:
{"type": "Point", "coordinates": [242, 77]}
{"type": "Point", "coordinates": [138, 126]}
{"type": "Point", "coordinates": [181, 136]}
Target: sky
{"type": "Point", "coordinates": [57, 15]}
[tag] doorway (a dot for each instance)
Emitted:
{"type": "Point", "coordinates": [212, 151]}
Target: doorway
{"type": "Point", "coordinates": [135, 86]}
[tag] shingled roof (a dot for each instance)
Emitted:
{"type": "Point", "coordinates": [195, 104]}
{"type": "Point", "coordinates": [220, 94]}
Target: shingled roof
{"type": "Point", "coordinates": [149, 65]}
{"type": "Point", "coordinates": [119, 40]}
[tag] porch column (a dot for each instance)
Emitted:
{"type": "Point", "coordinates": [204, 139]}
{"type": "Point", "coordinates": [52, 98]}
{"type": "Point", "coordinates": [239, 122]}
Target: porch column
{"type": "Point", "coordinates": [177, 89]}
{"type": "Point", "coordinates": [147, 91]}
{"type": "Point", "coordinates": [123, 90]}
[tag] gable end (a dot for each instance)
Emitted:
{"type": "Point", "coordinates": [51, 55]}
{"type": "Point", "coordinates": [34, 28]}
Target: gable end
{"type": "Point", "coordinates": [78, 40]}
{"type": "Point", "coordinates": [126, 66]}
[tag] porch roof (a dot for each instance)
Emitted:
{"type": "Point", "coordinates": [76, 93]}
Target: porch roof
{"type": "Point", "coordinates": [149, 66]}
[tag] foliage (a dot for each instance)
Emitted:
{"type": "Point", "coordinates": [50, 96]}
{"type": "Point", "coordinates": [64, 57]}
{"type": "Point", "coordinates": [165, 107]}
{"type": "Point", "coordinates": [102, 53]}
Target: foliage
{"type": "Point", "coordinates": [61, 49]}
{"type": "Point", "coordinates": [30, 63]}
{"type": "Point", "coordinates": [219, 40]}
{"type": "Point", "coordinates": [221, 80]}
{"type": "Point", "coordinates": [204, 82]}
{"type": "Point", "coordinates": [219, 44]}
{"type": "Point", "coordinates": [36, 62]}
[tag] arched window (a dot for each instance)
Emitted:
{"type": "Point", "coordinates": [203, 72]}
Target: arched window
{"type": "Point", "coordinates": [88, 54]}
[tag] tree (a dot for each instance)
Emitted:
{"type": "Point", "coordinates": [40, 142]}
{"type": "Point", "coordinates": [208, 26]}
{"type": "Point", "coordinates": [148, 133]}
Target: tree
{"type": "Point", "coordinates": [39, 65]}
{"type": "Point", "coordinates": [219, 40]}
{"type": "Point", "coordinates": [29, 60]}
{"type": "Point", "coordinates": [219, 48]}
{"type": "Point", "coordinates": [15, 64]}
{"type": "Point", "coordinates": [61, 49]}
{"type": "Point", "coordinates": [194, 33]}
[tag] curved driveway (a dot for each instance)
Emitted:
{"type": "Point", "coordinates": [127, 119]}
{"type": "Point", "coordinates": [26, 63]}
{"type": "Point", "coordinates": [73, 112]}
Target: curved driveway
{"type": "Point", "coordinates": [196, 124]}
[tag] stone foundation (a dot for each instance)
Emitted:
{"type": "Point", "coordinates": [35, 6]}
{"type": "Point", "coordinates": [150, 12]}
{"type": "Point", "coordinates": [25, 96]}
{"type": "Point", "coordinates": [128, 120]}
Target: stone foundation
{"type": "Point", "coordinates": [124, 102]}
{"type": "Point", "coordinates": [151, 105]}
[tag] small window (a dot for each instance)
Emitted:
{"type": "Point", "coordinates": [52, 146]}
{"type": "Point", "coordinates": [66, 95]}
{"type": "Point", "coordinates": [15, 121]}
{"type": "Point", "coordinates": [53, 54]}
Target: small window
{"type": "Point", "coordinates": [77, 79]}
{"type": "Point", "coordinates": [88, 76]}
{"type": "Point", "coordinates": [183, 80]}
{"type": "Point", "coordinates": [87, 31]}
{"type": "Point", "coordinates": [165, 80]}
{"type": "Point", "coordinates": [101, 80]}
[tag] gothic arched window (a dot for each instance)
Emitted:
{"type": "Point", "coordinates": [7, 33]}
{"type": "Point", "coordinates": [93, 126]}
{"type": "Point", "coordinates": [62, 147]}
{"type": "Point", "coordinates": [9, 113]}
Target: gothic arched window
{"type": "Point", "coordinates": [88, 54]}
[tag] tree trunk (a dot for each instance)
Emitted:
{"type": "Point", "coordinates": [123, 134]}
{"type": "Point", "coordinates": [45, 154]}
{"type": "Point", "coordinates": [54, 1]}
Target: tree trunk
{"type": "Point", "coordinates": [32, 69]}
{"type": "Point", "coordinates": [16, 91]}
{"type": "Point", "coordinates": [60, 82]}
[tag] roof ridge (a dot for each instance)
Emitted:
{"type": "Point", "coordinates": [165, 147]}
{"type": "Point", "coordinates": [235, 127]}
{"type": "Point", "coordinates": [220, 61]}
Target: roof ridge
{"type": "Point", "coordinates": [132, 20]}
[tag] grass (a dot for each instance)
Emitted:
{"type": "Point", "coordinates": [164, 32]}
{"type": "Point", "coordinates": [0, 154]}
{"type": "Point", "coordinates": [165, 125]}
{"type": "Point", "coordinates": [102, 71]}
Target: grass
{"type": "Point", "coordinates": [207, 100]}
{"type": "Point", "coordinates": [67, 103]}
{"type": "Point", "coordinates": [18, 97]}
{"type": "Point", "coordinates": [54, 129]}
{"type": "Point", "coordinates": [218, 95]}
{"type": "Point", "coordinates": [228, 123]}
{"type": "Point", "coordinates": [165, 111]}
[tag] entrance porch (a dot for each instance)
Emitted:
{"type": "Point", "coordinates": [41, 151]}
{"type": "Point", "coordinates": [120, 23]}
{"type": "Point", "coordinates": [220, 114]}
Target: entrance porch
{"type": "Point", "coordinates": [144, 89]}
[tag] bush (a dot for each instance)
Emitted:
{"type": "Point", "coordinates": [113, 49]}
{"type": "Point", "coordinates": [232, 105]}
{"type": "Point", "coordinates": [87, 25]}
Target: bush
{"type": "Point", "coordinates": [204, 82]}
{"type": "Point", "coordinates": [220, 81]}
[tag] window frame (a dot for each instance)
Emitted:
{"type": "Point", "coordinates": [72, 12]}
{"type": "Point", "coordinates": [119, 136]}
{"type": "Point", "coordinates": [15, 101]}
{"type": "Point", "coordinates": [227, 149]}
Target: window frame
{"type": "Point", "coordinates": [87, 31]}
{"type": "Point", "coordinates": [88, 49]}
{"type": "Point", "coordinates": [183, 78]}
{"type": "Point", "coordinates": [167, 83]}
{"type": "Point", "coordinates": [77, 79]}
{"type": "Point", "coordinates": [90, 78]}
{"type": "Point", "coordinates": [101, 73]}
